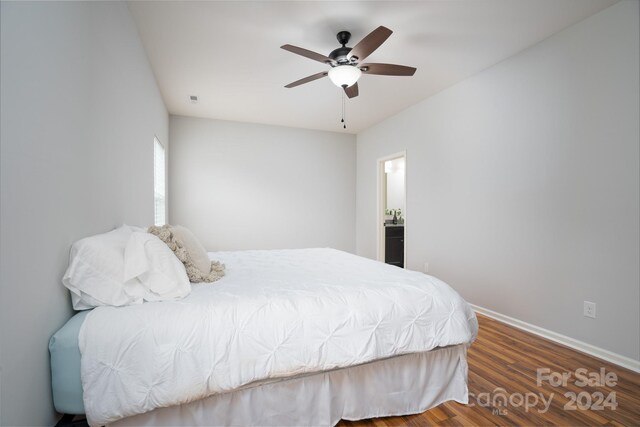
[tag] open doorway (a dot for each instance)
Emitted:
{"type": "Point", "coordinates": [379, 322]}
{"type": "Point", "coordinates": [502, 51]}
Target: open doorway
{"type": "Point", "coordinates": [392, 210]}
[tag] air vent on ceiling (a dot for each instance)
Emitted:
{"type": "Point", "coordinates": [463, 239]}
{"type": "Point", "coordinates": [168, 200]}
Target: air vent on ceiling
{"type": "Point", "coordinates": [193, 99]}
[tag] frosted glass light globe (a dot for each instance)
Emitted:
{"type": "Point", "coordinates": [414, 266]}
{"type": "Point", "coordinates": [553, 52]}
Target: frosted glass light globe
{"type": "Point", "coordinates": [344, 75]}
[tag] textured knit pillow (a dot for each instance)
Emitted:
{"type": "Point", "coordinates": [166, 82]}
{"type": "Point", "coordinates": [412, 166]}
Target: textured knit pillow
{"type": "Point", "coordinates": [168, 235]}
{"type": "Point", "coordinates": [196, 251]}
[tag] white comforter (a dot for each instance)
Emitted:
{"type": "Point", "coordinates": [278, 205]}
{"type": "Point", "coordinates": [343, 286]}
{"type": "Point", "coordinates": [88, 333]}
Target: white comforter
{"type": "Point", "coordinates": [275, 314]}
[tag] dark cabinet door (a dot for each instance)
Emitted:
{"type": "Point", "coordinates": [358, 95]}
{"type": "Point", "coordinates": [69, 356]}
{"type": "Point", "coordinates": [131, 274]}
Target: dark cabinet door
{"type": "Point", "coordinates": [394, 246]}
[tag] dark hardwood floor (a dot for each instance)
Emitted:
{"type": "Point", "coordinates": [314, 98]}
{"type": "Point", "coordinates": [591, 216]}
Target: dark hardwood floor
{"type": "Point", "coordinates": [508, 358]}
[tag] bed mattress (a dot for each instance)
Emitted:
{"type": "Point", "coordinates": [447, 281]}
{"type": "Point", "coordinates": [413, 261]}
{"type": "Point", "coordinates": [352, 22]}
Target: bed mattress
{"type": "Point", "coordinates": [276, 315]}
{"type": "Point", "coordinates": [65, 367]}
{"type": "Point", "coordinates": [407, 384]}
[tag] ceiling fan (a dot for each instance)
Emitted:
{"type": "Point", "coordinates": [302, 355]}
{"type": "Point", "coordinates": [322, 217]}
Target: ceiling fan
{"type": "Point", "coordinates": [346, 62]}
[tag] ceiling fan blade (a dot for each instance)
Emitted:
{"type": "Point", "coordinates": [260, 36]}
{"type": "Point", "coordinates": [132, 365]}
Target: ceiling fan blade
{"type": "Point", "coordinates": [370, 43]}
{"type": "Point", "coordinates": [307, 79]}
{"type": "Point", "coordinates": [387, 69]}
{"type": "Point", "coordinates": [352, 91]}
{"type": "Point", "coordinates": [307, 53]}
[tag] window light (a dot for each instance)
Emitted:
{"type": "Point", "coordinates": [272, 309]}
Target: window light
{"type": "Point", "coordinates": [159, 190]}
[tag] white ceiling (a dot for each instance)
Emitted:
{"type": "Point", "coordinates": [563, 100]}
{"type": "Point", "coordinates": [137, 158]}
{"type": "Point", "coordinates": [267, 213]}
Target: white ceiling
{"type": "Point", "coordinates": [228, 52]}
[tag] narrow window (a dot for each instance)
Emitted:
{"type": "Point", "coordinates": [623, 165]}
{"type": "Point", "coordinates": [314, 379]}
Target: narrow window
{"type": "Point", "coordinates": [159, 191]}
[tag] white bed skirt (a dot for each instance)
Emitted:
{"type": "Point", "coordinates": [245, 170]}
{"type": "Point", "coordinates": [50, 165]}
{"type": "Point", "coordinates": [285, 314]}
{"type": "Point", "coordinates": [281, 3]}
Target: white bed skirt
{"type": "Point", "coordinates": [401, 385]}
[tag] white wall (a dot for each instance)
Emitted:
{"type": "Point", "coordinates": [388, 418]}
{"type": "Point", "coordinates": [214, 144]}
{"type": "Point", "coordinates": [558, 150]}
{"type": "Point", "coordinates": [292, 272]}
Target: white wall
{"type": "Point", "coordinates": [80, 107]}
{"type": "Point", "coordinates": [522, 182]}
{"type": "Point", "coordinates": [249, 186]}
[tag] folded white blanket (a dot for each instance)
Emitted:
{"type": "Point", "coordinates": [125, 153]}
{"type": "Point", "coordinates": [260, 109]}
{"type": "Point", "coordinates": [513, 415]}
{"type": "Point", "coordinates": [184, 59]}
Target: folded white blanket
{"type": "Point", "coordinates": [275, 314]}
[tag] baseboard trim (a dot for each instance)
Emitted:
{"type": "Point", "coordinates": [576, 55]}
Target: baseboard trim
{"type": "Point", "coordinates": [601, 353]}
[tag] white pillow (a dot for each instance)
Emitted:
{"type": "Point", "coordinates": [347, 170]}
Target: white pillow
{"type": "Point", "coordinates": [123, 267]}
{"type": "Point", "coordinates": [95, 275]}
{"type": "Point", "coordinates": [150, 262]}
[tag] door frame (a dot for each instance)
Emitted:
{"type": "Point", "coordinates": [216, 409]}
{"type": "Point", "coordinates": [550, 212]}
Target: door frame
{"type": "Point", "coordinates": [380, 241]}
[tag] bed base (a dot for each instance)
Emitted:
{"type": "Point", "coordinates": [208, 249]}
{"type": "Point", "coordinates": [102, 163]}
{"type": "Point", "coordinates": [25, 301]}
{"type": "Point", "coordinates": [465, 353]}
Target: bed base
{"type": "Point", "coordinates": [401, 385]}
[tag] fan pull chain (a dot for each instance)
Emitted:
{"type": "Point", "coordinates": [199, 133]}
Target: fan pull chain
{"type": "Point", "coordinates": [344, 125]}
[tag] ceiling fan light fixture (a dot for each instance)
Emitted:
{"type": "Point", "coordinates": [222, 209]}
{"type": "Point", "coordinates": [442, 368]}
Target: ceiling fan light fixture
{"type": "Point", "coordinates": [344, 75]}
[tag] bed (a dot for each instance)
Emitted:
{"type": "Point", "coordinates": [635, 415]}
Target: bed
{"type": "Point", "coordinates": [287, 337]}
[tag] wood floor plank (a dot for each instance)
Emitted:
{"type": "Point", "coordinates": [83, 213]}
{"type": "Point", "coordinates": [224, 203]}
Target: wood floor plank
{"type": "Point", "coordinates": [509, 358]}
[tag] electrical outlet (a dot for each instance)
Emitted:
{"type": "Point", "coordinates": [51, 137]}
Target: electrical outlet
{"type": "Point", "coordinates": [426, 267]}
{"type": "Point", "coordinates": [590, 309]}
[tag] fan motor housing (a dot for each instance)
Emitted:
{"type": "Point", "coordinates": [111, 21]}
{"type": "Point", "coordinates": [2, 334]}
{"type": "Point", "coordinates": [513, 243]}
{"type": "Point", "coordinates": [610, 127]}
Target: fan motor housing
{"type": "Point", "coordinates": [340, 54]}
